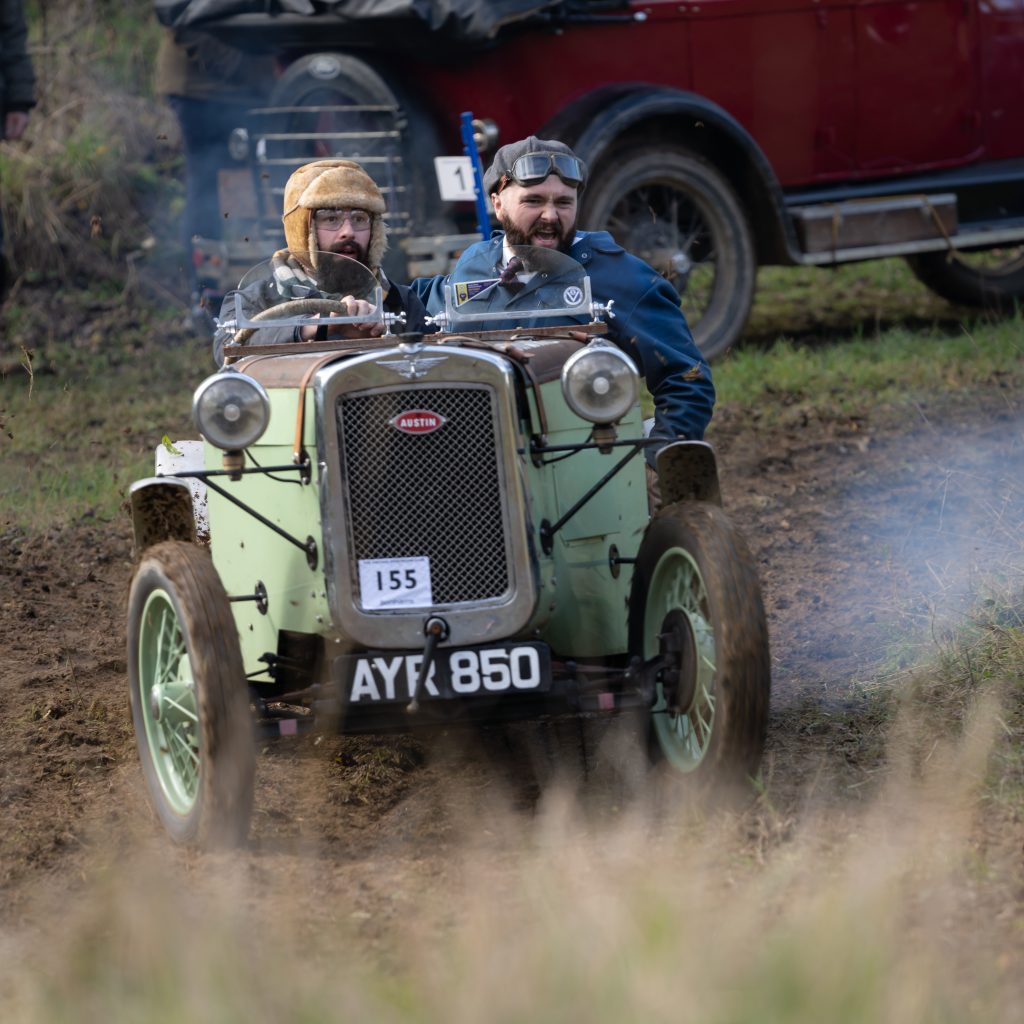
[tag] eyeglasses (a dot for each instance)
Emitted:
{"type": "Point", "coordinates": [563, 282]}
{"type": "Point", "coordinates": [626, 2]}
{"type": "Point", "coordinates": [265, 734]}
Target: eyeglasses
{"type": "Point", "coordinates": [533, 168]}
{"type": "Point", "coordinates": [333, 219]}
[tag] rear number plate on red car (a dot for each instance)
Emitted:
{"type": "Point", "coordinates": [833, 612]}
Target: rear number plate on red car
{"type": "Point", "coordinates": [459, 672]}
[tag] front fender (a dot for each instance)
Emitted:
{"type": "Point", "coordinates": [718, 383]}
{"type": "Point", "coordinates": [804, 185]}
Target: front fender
{"type": "Point", "coordinates": [597, 123]}
{"type": "Point", "coordinates": [688, 471]}
{"type": "Point", "coordinates": [161, 509]}
{"type": "Point", "coordinates": [169, 507]}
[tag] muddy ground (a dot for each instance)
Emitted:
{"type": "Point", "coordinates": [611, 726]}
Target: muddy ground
{"type": "Point", "coordinates": [870, 537]}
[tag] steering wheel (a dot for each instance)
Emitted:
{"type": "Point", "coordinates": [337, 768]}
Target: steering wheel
{"type": "Point", "coordinates": [283, 310]}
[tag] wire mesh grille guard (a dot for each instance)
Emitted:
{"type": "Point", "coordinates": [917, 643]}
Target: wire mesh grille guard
{"type": "Point", "coordinates": [436, 494]}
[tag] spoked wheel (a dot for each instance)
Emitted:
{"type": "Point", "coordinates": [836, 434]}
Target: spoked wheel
{"type": "Point", "coordinates": [679, 214]}
{"type": "Point", "coordinates": [189, 698]}
{"type": "Point", "coordinates": [992, 278]}
{"type": "Point", "coordinates": [696, 602]}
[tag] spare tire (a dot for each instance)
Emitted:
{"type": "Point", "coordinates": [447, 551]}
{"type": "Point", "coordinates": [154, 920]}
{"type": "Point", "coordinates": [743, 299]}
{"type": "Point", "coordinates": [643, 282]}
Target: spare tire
{"type": "Point", "coordinates": [375, 130]}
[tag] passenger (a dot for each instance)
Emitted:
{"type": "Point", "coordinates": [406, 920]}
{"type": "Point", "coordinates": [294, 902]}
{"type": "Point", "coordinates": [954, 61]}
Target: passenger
{"type": "Point", "coordinates": [534, 185]}
{"type": "Point", "coordinates": [329, 206]}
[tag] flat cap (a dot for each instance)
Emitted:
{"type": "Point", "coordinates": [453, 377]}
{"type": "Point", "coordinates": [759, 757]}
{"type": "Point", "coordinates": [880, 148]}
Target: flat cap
{"type": "Point", "coordinates": [508, 155]}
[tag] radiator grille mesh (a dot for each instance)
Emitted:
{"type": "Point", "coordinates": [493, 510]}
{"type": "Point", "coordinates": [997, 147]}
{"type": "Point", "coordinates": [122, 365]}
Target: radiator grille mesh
{"type": "Point", "coordinates": [436, 494]}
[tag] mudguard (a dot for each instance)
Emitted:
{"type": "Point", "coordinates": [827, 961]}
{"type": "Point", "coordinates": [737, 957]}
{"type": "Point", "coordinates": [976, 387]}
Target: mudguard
{"type": "Point", "coordinates": [596, 123]}
{"type": "Point", "coordinates": [688, 471]}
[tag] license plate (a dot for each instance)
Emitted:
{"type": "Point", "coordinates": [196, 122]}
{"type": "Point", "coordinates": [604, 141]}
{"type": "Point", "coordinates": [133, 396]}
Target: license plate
{"type": "Point", "coordinates": [377, 678]}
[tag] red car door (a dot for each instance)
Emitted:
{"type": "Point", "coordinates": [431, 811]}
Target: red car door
{"type": "Point", "coordinates": [918, 96]}
{"type": "Point", "coordinates": [1002, 64]}
{"type": "Point", "coordinates": [785, 70]}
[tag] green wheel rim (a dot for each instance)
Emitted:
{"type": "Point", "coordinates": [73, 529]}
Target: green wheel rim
{"type": "Point", "coordinates": [168, 702]}
{"type": "Point", "coordinates": [677, 586]}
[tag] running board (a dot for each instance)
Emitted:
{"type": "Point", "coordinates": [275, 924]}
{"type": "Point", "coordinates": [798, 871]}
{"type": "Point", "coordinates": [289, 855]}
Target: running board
{"type": "Point", "coordinates": [869, 228]}
{"type": "Point", "coordinates": [981, 239]}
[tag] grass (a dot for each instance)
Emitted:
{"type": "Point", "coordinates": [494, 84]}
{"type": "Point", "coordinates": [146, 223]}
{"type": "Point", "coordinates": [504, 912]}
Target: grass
{"type": "Point", "coordinates": [89, 384]}
{"type": "Point", "coordinates": [809, 344]}
{"type": "Point", "coordinates": [888, 911]}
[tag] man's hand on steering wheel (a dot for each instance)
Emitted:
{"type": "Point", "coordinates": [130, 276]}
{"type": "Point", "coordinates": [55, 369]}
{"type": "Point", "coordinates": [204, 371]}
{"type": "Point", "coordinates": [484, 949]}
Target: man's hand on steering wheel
{"type": "Point", "coordinates": [348, 306]}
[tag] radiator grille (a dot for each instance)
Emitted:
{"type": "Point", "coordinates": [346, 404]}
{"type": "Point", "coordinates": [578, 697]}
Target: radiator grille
{"type": "Point", "coordinates": [436, 494]}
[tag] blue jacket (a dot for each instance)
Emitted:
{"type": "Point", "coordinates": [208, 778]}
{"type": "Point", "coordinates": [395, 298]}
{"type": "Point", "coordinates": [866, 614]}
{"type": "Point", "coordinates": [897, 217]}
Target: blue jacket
{"type": "Point", "coordinates": [648, 325]}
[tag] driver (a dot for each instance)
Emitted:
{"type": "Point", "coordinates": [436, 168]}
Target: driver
{"type": "Point", "coordinates": [534, 185]}
{"type": "Point", "coordinates": [330, 206]}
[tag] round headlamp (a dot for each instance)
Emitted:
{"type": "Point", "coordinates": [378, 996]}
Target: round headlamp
{"type": "Point", "coordinates": [600, 383]}
{"type": "Point", "coordinates": [231, 410]}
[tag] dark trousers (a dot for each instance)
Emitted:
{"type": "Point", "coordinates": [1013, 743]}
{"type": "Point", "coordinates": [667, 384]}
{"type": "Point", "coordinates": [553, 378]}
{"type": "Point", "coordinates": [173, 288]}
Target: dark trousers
{"type": "Point", "coordinates": [205, 127]}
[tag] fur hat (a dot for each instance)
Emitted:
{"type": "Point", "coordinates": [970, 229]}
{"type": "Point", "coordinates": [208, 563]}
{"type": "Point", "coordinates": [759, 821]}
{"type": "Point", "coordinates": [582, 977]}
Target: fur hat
{"type": "Point", "coordinates": [330, 184]}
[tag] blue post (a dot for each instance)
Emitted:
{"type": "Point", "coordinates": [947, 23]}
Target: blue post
{"type": "Point", "coordinates": [483, 220]}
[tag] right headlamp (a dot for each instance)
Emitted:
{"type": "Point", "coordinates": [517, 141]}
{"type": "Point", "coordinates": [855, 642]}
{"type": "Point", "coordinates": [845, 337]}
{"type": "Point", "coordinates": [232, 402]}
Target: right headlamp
{"type": "Point", "coordinates": [600, 383]}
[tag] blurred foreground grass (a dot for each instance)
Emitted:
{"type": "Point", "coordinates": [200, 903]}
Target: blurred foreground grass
{"type": "Point", "coordinates": [904, 908]}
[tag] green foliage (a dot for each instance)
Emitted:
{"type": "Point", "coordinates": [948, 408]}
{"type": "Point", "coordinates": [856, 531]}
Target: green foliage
{"type": "Point", "coordinates": [96, 173]}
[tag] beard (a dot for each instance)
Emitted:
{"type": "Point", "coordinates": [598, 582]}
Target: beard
{"type": "Point", "coordinates": [343, 276]}
{"type": "Point", "coordinates": [514, 236]}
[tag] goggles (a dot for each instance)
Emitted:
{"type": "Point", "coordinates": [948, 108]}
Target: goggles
{"type": "Point", "coordinates": [533, 168]}
{"type": "Point", "coordinates": [333, 219]}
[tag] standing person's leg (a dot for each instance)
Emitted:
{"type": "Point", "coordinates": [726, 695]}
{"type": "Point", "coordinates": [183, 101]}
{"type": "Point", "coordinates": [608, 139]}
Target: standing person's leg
{"type": "Point", "coordinates": [205, 126]}
{"type": "Point", "coordinates": [3, 264]}
{"type": "Point", "coordinates": [204, 143]}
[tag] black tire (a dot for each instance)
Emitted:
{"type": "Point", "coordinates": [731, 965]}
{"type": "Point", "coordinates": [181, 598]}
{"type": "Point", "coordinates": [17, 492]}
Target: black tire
{"type": "Point", "coordinates": [990, 278]}
{"type": "Point", "coordinates": [189, 697]}
{"type": "Point", "coordinates": [402, 166]}
{"type": "Point", "coordinates": [678, 213]}
{"type": "Point", "coordinates": [695, 588]}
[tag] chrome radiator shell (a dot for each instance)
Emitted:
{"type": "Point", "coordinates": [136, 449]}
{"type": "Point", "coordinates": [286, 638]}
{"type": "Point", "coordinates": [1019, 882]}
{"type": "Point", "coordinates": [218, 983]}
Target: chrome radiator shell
{"type": "Point", "coordinates": [454, 495]}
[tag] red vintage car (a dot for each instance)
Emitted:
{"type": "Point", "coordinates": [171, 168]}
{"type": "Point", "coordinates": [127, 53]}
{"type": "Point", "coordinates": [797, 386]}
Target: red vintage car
{"type": "Point", "coordinates": [720, 134]}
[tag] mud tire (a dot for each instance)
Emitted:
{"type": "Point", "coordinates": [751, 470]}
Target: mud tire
{"type": "Point", "coordinates": [695, 581]}
{"type": "Point", "coordinates": [974, 279]}
{"type": "Point", "coordinates": [189, 698]}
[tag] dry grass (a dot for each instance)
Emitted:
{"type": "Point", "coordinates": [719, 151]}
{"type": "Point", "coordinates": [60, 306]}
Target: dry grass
{"type": "Point", "coordinates": [906, 908]}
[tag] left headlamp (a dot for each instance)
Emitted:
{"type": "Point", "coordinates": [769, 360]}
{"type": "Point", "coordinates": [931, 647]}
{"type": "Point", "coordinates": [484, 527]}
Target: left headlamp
{"type": "Point", "coordinates": [600, 383]}
{"type": "Point", "coordinates": [231, 410]}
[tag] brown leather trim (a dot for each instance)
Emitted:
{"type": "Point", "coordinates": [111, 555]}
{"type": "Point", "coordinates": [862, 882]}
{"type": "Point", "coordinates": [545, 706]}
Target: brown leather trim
{"type": "Point", "coordinates": [301, 413]}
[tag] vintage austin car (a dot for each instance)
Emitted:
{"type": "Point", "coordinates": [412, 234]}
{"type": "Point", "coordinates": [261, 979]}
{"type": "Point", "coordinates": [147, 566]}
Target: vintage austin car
{"type": "Point", "coordinates": [380, 532]}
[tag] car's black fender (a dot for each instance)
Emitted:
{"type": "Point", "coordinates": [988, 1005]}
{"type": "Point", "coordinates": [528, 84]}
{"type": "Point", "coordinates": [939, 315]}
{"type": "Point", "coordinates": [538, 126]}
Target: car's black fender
{"type": "Point", "coordinates": [599, 125]}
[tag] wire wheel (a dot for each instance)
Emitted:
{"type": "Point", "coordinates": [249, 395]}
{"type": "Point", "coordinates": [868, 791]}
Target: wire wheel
{"type": "Point", "coordinates": [679, 214]}
{"type": "Point", "coordinates": [168, 703]}
{"type": "Point", "coordinates": [189, 697]}
{"type": "Point", "coordinates": [696, 602]}
{"type": "Point", "coordinates": [677, 623]}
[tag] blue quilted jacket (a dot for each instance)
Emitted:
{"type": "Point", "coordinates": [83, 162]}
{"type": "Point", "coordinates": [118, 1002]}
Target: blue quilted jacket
{"type": "Point", "coordinates": [648, 325]}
